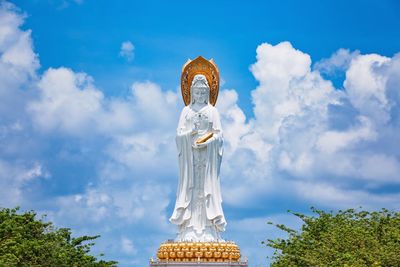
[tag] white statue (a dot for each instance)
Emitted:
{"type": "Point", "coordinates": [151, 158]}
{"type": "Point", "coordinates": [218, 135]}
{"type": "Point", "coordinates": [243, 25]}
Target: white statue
{"type": "Point", "coordinates": [198, 210]}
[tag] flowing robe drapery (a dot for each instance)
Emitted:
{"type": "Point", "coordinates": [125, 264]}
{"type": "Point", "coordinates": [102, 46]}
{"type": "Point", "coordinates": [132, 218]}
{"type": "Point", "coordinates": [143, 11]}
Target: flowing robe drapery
{"type": "Point", "coordinates": [199, 184]}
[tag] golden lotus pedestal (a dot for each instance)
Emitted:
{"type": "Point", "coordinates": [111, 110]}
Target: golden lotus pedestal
{"type": "Point", "coordinates": [179, 254]}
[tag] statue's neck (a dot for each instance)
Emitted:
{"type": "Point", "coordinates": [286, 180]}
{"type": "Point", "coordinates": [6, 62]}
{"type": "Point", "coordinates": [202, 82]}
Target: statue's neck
{"type": "Point", "coordinates": [197, 106]}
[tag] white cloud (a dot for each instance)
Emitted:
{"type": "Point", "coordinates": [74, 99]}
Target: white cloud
{"type": "Point", "coordinates": [295, 132]}
{"type": "Point", "coordinates": [15, 44]}
{"type": "Point", "coordinates": [339, 61]}
{"type": "Point", "coordinates": [232, 118]}
{"type": "Point", "coordinates": [18, 62]}
{"type": "Point", "coordinates": [365, 85]}
{"type": "Point", "coordinates": [18, 65]}
{"type": "Point", "coordinates": [14, 177]}
{"type": "Point", "coordinates": [333, 141]}
{"type": "Point", "coordinates": [289, 94]}
{"type": "Point", "coordinates": [287, 87]}
{"type": "Point", "coordinates": [68, 102]}
{"type": "Point", "coordinates": [322, 193]}
{"type": "Point", "coordinates": [93, 205]}
{"type": "Point", "coordinates": [127, 50]}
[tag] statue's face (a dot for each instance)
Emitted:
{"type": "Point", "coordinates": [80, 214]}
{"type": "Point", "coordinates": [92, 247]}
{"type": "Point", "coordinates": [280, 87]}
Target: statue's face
{"type": "Point", "coordinates": [200, 94]}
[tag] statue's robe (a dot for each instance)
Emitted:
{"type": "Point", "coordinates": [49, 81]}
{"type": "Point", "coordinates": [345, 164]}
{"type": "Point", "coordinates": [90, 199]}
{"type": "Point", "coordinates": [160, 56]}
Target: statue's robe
{"type": "Point", "coordinates": [212, 193]}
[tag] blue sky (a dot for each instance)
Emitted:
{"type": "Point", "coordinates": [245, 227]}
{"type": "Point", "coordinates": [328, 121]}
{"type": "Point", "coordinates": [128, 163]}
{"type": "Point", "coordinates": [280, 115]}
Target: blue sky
{"type": "Point", "coordinates": [87, 36]}
{"type": "Point", "coordinates": [89, 102]}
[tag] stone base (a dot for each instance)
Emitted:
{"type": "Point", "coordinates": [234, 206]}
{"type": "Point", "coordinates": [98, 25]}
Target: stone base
{"type": "Point", "coordinates": [198, 264]}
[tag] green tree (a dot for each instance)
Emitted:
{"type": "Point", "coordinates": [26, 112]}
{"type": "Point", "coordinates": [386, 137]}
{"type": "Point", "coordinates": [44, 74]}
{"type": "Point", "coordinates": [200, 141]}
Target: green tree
{"type": "Point", "coordinates": [28, 241]}
{"type": "Point", "coordinates": [345, 238]}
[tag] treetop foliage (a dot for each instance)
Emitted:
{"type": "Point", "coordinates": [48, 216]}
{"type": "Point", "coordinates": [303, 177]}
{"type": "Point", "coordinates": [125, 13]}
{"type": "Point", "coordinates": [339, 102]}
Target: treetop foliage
{"type": "Point", "coordinates": [346, 238]}
{"type": "Point", "coordinates": [28, 241]}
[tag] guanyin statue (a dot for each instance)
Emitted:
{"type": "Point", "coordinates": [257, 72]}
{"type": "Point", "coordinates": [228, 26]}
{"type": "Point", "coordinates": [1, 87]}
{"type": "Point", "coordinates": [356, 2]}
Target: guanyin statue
{"type": "Point", "coordinates": [198, 211]}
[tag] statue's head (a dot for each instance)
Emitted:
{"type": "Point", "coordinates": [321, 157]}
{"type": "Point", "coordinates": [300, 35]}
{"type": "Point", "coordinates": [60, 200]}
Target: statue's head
{"type": "Point", "coordinates": [200, 91]}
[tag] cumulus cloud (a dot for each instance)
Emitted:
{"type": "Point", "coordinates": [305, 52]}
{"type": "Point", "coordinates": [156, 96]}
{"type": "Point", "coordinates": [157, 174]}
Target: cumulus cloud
{"type": "Point", "coordinates": [131, 205]}
{"type": "Point", "coordinates": [127, 50]}
{"type": "Point", "coordinates": [339, 61]}
{"type": "Point", "coordinates": [365, 85]}
{"type": "Point", "coordinates": [291, 99]}
{"type": "Point", "coordinates": [296, 136]}
{"type": "Point", "coordinates": [333, 141]}
{"type": "Point", "coordinates": [16, 44]}
{"type": "Point", "coordinates": [18, 65]}
{"type": "Point", "coordinates": [288, 87]}
{"type": "Point", "coordinates": [18, 62]}
{"type": "Point", "coordinates": [14, 178]}
{"type": "Point", "coordinates": [68, 102]}
{"type": "Point", "coordinates": [321, 193]}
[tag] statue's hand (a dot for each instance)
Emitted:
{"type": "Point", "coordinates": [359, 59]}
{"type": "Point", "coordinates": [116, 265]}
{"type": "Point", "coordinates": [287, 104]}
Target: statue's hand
{"type": "Point", "coordinates": [197, 146]}
{"type": "Point", "coordinates": [201, 145]}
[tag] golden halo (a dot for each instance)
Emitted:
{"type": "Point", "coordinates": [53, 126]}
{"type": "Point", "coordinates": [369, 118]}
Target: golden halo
{"type": "Point", "coordinates": [200, 66]}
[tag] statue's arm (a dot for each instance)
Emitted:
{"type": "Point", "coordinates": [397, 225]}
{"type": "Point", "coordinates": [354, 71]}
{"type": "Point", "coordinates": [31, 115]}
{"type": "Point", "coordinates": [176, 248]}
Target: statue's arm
{"type": "Point", "coordinates": [182, 130]}
{"type": "Point", "coordinates": [182, 133]}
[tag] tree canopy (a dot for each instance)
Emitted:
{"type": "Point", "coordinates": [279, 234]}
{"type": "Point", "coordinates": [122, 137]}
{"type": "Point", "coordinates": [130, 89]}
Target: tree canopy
{"type": "Point", "coordinates": [28, 241]}
{"type": "Point", "coordinates": [344, 238]}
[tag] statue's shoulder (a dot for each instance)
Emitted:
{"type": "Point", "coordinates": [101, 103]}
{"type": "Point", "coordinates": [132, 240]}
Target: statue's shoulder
{"type": "Point", "coordinates": [186, 109]}
{"type": "Point", "coordinates": [212, 109]}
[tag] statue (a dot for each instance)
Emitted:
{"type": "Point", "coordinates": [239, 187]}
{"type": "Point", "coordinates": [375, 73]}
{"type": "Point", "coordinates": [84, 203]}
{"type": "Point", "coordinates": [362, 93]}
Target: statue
{"type": "Point", "coordinates": [198, 210]}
